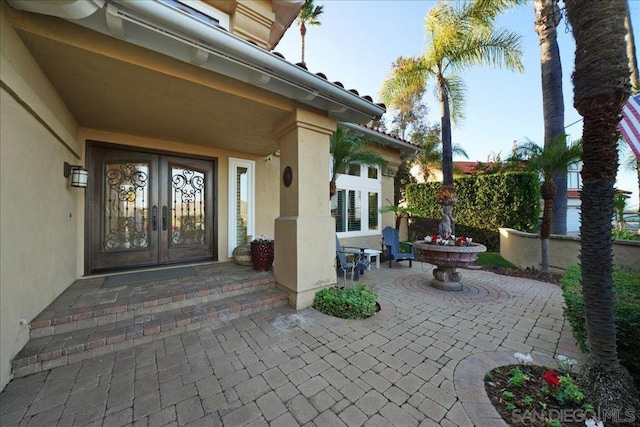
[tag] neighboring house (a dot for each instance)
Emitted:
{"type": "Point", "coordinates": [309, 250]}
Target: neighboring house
{"type": "Point", "coordinates": [574, 184]}
{"type": "Point", "coordinates": [185, 122]}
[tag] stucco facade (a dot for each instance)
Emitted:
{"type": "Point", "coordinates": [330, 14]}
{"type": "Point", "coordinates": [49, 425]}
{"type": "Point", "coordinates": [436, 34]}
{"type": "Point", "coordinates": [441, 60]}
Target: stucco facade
{"type": "Point", "coordinates": [69, 86]}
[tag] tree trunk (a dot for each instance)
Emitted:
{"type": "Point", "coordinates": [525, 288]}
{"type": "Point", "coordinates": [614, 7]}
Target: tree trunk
{"type": "Point", "coordinates": [547, 19]}
{"type": "Point", "coordinates": [631, 53]}
{"type": "Point", "coordinates": [601, 87]}
{"type": "Point", "coordinates": [445, 121]}
{"type": "Point", "coordinates": [544, 244]}
{"type": "Point", "coordinates": [547, 192]}
{"type": "Point", "coordinates": [333, 189]}
{"type": "Point", "coordinates": [303, 32]}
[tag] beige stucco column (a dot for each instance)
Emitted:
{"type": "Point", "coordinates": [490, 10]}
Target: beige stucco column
{"type": "Point", "coordinates": [305, 230]}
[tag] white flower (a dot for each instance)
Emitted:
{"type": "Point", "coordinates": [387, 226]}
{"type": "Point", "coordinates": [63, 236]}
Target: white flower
{"type": "Point", "coordinates": [566, 362]}
{"type": "Point", "coordinates": [593, 423]}
{"type": "Point", "coordinates": [523, 358]}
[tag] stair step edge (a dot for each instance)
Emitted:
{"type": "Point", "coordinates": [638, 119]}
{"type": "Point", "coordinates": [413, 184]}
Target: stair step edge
{"type": "Point", "coordinates": [118, 311]}
{"type": "Point", "coordinates": [44, 351]}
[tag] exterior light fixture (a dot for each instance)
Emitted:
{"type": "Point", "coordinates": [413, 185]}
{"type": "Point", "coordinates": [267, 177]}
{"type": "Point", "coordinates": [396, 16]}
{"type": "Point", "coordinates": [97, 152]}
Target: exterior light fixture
{"type": "Point", "coordinates": [79, 175]}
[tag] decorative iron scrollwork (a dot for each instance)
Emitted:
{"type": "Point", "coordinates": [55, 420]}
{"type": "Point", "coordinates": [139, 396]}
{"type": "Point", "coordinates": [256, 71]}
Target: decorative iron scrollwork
{"type": "Point", "coordinates": [188, 206]}
{"type": "Point", "coordinates": [125, 200]}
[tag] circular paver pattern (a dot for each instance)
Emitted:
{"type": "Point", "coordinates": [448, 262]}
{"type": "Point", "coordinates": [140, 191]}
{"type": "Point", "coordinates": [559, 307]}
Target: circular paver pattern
{"type": "Point", "coordinates": [472, 293]}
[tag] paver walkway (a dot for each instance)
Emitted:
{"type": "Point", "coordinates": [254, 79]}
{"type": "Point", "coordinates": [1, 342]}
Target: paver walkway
{"type": "Point", "coordinates": [419, 361]}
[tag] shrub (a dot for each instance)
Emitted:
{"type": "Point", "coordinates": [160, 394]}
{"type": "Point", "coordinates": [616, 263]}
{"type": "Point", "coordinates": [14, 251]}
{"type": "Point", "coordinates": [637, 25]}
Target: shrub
{"type": "Point", "coordinates": [624, 235]}
{"type": "Point", "coordinates": [626, 284]}
{"type": "Point", "coordinates": [356, 302]}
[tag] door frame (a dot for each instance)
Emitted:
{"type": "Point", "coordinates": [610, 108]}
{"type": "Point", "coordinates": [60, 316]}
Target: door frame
{"type": "Point", "coordinates": [89, 195]}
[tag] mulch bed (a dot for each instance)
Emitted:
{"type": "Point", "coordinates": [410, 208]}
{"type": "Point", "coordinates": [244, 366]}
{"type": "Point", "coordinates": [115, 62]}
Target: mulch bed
{"type": "Point", "coordinates": [530, 397]}
{"type": "Point", "coordinates": [526, 273]}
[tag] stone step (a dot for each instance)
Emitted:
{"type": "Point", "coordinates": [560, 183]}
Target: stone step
{"type": "Point", "coordinates": [118, 304]}
{"type": "Point", "coordinates": [47, 352]}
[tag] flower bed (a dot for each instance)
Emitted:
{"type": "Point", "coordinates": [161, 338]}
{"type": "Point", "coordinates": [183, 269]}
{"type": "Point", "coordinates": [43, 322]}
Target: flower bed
{"type": "Point", "coordinates": [531, 395]}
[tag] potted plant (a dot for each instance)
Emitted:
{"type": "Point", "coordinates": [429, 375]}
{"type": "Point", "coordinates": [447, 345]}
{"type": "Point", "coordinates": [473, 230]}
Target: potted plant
{"type": "Point", "coordinates": [262, 253]}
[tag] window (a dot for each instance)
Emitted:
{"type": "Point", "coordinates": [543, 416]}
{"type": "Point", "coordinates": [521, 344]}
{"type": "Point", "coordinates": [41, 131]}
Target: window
{"type": "Point", "coordinates": [201, 11]}
{"type": "Point", "coordinates": [357, 201]}
{"type": "Point", "coordinates": [373, 210]}
{"type": "Point", "coordinates": [574, 179]}
{"type": "Point", "coordinates": [241, 201]}
{"type": "Point", "coordinates": [353, 170]}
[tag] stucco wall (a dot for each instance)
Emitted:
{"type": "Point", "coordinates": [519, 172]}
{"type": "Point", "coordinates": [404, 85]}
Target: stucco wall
{"type": "Point", "coordinates": [38, 220]}
{"type": "Point", "coordinates": [523, 250]}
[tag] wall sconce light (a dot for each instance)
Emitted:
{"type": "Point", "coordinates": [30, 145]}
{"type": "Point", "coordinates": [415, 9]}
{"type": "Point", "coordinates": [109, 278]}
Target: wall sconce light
{"type": "Point", "coordinates": [79, 175]}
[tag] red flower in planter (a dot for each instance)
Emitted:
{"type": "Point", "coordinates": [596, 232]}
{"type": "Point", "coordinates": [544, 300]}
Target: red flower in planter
{"type": "Point", "coordinates": [551, 378]}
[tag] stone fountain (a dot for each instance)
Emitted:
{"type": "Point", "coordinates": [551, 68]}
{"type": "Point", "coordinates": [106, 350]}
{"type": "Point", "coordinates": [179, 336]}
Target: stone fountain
{"type": "Point", "coordinates": [447, 257]}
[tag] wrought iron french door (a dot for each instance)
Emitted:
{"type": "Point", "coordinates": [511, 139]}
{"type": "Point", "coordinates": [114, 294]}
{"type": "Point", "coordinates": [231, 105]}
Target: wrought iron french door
{"type": "Point", "coordinates": [149, 209]}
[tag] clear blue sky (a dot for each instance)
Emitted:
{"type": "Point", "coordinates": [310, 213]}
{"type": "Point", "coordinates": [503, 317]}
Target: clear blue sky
{"type": "Point", "coordinates": [358, 41]}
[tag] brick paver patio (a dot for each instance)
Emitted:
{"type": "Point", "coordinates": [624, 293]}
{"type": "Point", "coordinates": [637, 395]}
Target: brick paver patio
{"type": "Point", "coordinates": [419, 361]}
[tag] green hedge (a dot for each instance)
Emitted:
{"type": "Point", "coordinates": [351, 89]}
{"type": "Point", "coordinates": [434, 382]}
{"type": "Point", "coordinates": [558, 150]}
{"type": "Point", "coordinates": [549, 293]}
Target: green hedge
{"type": "Point", "coordinates": [626, 284]}
{"type": "Point", "coordinates": [485, 203]}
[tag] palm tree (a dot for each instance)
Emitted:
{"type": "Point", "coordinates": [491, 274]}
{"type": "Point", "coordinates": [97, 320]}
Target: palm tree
{"type": "Point", "coordinates": [547, 19]}
{"type": "Point", "coordinates": [632, 162]}
{"type": "Point", "coordinates": [631, 53]}
{"type": "Point", "coordinates": [548, 162]}
{"type": "Point", "coordinates": [460, 37]}
{"type": "Point", "coordinates": [601, 88]}
{"type": "Point", "coordinates": [308, 16]}
{"type": "Point", "coordinates": [349, 148]}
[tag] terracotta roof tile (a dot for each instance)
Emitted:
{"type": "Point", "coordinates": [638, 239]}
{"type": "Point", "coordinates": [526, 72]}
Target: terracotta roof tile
{"type": "Point", "coordinates": [388, 135]}
{"type": "Point", "coordinates": [337, 83]}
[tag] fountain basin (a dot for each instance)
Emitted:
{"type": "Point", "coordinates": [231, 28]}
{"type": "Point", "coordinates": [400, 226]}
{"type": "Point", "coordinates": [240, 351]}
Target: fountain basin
{"type": "Point", "coordinates": [447, 260]}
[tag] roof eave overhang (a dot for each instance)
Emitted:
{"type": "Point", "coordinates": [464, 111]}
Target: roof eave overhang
{"type": "Point", "coordinates": [164, 29]}
{"type": "Point", "coordinates": [404, 147]}
{"type": "Point", "coordinates": [286, 12]}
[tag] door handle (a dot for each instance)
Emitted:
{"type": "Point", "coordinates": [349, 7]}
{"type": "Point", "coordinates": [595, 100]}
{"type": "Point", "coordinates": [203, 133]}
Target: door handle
{"type": "Point", "coordinates": [154, 218]}
{"type": "Point", "coordinates": [164, 218]}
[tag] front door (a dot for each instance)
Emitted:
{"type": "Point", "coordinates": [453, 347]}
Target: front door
{"type": "Point", "coordinates": [149, 209]}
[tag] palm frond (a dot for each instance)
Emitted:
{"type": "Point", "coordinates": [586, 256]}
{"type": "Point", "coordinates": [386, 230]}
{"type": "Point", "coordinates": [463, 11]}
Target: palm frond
{"type": "Point", "coordinates": [484, 12]}
{"type": "Point", "coordinates": [351, 148]}
{"type": "Point", "coordinates": [497, 49]}
{"type": "Point", "coordinates": [459, 151]}
{"type": "Point", "coordinates": [310, 13]}
{"type": "Point", "coordinates": [548, 161]}
{"type": "Point", "coordinates": [408, 75]}
{"type": "Point", "coordinates": [457, 92]}
{"type": "Point", "coordinates": [629, 160]}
